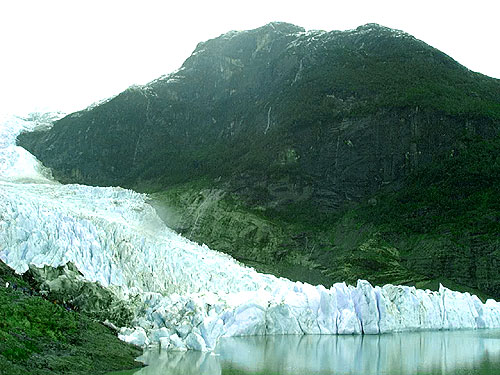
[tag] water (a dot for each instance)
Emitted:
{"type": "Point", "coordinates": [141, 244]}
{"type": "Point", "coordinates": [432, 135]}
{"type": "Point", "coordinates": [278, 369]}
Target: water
{"type": "Point", "coordinates": [442, 352]}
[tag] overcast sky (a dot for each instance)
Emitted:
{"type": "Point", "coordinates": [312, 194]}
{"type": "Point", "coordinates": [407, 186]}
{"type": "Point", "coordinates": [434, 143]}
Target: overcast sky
{"type": "Point", "coordinates": [66, 54]}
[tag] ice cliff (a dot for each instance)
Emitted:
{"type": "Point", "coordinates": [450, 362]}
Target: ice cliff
{"type": "Point", "coordinates": [187, 296]}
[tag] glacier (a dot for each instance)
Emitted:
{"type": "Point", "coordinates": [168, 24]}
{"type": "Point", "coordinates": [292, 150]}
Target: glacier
{"type": "Point", "coordinates": [185, 295]}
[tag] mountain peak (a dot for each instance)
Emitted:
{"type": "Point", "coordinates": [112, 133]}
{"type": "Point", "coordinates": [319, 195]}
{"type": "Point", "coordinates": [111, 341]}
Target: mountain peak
{"type": "Point", "coordinates": [371, 28]}
{"type": "Point", "coordinates": [282, 27]}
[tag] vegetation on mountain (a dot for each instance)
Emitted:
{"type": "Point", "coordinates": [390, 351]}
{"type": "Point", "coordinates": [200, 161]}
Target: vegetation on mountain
{"type": "Point", "coordinates": [446, 218]}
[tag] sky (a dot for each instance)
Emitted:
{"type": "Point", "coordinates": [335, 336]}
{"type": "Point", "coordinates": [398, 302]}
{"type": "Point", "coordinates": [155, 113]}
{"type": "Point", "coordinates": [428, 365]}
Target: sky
{"type": "Point", "coordinates": [67, 54]}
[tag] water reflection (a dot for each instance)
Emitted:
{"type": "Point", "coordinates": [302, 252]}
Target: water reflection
{"type": "Point", "coordinates": [457, 352]}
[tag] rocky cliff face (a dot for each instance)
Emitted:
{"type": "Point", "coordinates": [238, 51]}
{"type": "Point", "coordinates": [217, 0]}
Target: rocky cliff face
{"type": "Point", "coordinates": [296, 125]}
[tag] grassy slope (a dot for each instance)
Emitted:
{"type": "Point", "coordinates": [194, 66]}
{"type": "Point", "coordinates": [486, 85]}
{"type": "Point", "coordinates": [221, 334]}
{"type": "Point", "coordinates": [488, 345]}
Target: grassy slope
{"type": "Point", "coordinates": [40, 337]}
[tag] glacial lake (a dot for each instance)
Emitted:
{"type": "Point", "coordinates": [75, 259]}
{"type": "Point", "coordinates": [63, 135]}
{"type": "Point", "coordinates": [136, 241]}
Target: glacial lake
{"type": "Point", "coordinates": [423, 353]}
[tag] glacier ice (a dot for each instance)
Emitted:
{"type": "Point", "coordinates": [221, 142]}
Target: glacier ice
{"type": "Point", "coordinates": [186, 295]}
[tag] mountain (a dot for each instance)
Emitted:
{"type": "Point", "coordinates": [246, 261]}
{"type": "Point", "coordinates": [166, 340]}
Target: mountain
{"type": "Point", "coordinates": [323, 156]}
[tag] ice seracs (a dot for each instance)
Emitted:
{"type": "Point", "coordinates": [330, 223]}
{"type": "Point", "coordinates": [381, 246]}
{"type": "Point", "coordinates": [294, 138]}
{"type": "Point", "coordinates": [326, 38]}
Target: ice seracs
{"type": "Point", "coordinates": [187, 296]}
{"type": "Point", "coordinates": [304, 309]}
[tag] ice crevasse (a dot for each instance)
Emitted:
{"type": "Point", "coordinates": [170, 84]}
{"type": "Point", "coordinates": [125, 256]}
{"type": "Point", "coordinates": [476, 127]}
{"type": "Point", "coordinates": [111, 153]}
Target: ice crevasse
{"type": "Point", "coordinates": [186, 295]}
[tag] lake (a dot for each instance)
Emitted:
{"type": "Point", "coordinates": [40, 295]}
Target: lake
{"type": "Point", "coordinates": [434, 352]}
